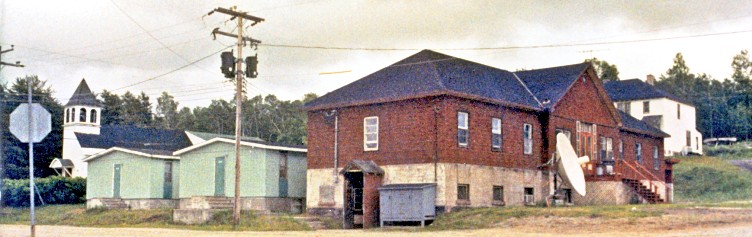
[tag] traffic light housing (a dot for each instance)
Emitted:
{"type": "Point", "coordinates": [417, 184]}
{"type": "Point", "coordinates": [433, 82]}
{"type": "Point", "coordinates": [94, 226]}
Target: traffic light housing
{"type": "Point", "coordinates": [251, 66]}
{"type": "Point", "coordinates": [228, 64]}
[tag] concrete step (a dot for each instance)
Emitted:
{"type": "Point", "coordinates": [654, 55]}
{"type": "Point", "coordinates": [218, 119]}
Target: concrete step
{"type": "Point", "coordinates": [313, 222]}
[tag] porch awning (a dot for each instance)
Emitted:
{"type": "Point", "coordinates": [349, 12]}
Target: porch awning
{"type": "Point", "coordinates": [365, 166]}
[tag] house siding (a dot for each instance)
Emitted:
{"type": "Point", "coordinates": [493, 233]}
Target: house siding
{"type": "Point", "coordinates": [141, 177]}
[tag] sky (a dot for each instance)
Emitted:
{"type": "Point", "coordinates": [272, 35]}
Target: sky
{"type": "Point", "coordinates": [166, 46]}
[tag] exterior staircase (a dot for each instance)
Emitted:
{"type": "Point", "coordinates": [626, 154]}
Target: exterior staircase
{"type": "Point", "coordinates": [114, 203]}
{"type": "Point", "coordinates": [643, 191]}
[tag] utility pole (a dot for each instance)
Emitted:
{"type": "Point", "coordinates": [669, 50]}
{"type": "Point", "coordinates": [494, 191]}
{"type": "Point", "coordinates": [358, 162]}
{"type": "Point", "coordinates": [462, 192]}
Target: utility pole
{"type": "Point", "coordinates": [2, 117]}
{"type": "Point", "coordinates": [240, 16]}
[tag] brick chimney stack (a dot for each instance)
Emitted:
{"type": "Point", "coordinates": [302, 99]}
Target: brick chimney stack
{"type": "Point", "coordinates": [651, 79]}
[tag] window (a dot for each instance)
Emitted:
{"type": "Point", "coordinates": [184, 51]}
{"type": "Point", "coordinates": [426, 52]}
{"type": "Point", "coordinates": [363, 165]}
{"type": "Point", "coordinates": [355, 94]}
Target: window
{"type": "Point", "coordinates": [624, 106]}
{"type": "Point", "coordinates": [66, 116]}
{"type": "Point", "coordinates": [529, 196]}
{"type": "Point", "coordinates": [689, 139]}
{"type": "Point", "coordinates": [462, 129]}
{"type": "Point", "coordinates": [82, 115]}
{"type": "Point", "coordinates": [607, 149]}
{"type": "Point", "coordinates": [645, 107]}
{"type": "Point", "coordinates": [463, 192]}
{"type": "Point", "coordinates": [567, 195]}
{"type": "Point", "coordinates": [498, 195]}
{"type": "Point", "coordinates": [527, 143]}
{"type": "Point", "coordinates": [93, 116]}
{"type": "Point", "coordinates": [496, 134]}
{"type": "Point", "coordinates": [168, 172]}
{"type": "Point", "coordinates": [656, 161]}
{"type": "Point", "coordinates": [371, 133]}
{"type": "Point", "coordinates": [638, 152]}
{"type": "Point", "coordinates": [621, 149]}
{"type": "Point", "coordinates": [678, 111]}
{"type": "Point", "coordinates": [283, 166]}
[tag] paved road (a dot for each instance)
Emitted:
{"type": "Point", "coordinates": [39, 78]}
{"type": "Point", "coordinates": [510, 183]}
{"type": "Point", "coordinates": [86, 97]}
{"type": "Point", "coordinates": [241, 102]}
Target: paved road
{"type": "Point", "coordinates": [21, 230]}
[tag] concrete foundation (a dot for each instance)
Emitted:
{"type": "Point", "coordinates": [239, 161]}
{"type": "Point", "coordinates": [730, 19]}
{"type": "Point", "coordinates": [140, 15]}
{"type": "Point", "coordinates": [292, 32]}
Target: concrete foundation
{"type": "Point", "coordinates": [200, 209]}
{"type": "Point", "coordinates": [136, 204]}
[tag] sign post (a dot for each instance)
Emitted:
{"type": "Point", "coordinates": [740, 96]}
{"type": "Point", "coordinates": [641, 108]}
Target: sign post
{"type": "Point", "coordinates": [31, 128]}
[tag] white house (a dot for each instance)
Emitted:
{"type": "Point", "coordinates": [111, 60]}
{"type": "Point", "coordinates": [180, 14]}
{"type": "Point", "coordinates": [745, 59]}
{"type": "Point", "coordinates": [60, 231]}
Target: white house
{"type": "Point", "coordinates": [671, 114]}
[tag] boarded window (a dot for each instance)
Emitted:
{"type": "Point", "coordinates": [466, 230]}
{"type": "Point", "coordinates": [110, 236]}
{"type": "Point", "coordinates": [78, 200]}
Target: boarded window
{"type": "Point", "coordinates": [371, 133]}
{"type": "Point", "coordinates": [326, 195]}
{"type": "Point", "coordinates": [463, 138]}
{"type": "Point", "coordinates": [496, 134]}
{"type": "Point", "coordinates": [463, 192]}
{"type": "Point", "coordinates": [527, 139]}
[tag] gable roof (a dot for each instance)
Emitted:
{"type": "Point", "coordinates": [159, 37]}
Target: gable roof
{"type": "Point", "coordinates": [83, 96]}
{"type": "Point", "coordinates": [242, 143]}
{"type": "Point", "coordinates": [552, 83]}
{"type": "Point", "coordinates": [149, 140]}
{"type": "Point", "coordinates": [129, 151]}
{"type": "Point", "coordinates": [428, 73]}
{"type": "Point", "coordinates": [635, 125]}
{"type": "Point", "coordinates": [636, 89]}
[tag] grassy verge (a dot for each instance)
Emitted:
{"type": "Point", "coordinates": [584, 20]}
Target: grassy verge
{"type": "Point", "coordinates": [738, 151]}
{"type": "Point", "coordinates": [488, 217]}
{"type": "Point", "coordinates": [710, 179]}
{"type": "Point", "coordinates": [77, 215]}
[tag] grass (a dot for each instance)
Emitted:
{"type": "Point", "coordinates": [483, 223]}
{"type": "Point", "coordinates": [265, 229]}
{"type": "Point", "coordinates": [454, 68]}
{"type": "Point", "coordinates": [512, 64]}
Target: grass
{"type": "Point", "coordinates": [488, 217]}
{"type": "Point", "coordinates": [710, 179]}
{"type": "Point", "coordinates": [737, 151]}
{"type": "Point", "coordinates": [77, 215]}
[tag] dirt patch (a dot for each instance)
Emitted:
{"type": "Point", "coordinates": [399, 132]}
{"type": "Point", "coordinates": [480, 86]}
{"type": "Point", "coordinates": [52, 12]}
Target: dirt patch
{"type": "Point", "coordinates": [744, 164]}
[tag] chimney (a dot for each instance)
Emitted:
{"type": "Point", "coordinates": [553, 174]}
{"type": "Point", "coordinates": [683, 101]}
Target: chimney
{"type": "Point", "coordinates": [651, 79]}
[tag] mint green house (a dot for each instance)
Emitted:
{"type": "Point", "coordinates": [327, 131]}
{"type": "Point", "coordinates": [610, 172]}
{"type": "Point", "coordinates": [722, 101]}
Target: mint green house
{"type": "Point", "coordinates": [124, 178]}
{"type": "Point", "coordinates": [272, 178]}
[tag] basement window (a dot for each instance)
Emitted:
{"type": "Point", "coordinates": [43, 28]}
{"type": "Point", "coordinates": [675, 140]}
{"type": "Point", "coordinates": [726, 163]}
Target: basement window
{"type": "Point", "coordinates": [463, 194]}
{"type": "Point", "coordinates": [498, 195]}
{"type": "Point", "coordinates": [462, 129]}
{"type": "Point", "coordinates": [496, 134]}
{"type": "Point", "coordinates": [371, 133]}
{"type": "Point", "coordinates": [529, 196]}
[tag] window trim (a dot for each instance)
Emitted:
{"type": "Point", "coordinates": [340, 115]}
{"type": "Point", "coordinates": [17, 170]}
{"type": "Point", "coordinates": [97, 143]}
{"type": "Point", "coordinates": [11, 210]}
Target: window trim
{"type": "Point", "coordinates": [365, 134]}
{"type": "Point", "coordinates": [495, 132]}
{"type": "Point", "coordinates": [527, 138]}
{"type": "Point", "coordinates": [466, 127]}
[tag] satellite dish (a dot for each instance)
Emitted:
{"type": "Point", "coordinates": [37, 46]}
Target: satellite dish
{"type": "Point", "coordinates": [569, 165]}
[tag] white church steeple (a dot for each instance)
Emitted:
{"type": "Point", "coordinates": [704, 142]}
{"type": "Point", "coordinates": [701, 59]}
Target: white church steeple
{"type": "Point", "coordinates": [82, 114]}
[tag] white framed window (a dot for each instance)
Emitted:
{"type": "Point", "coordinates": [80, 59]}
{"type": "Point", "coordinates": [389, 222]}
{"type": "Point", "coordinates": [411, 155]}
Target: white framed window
{"type": "Point", "coordinates": [371, 133]}
{"type": "Point", "coordinates": [496, 134]}
{"type": "Point", "coordinates": [527, 139]}
{"type": "Point", "coordinates": [656, 161]}
{"type": "Point", "coordinates": [463, 136]}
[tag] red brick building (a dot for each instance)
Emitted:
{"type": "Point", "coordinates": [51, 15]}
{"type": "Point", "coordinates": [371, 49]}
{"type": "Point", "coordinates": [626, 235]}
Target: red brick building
{"type": "Point", "coordinates": [481, 134]}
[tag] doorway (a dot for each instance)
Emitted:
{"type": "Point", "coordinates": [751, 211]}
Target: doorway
{"type": "Point", "coordinates": [353, 216]}
{"type": "Point", "coordinates": [219, 177]}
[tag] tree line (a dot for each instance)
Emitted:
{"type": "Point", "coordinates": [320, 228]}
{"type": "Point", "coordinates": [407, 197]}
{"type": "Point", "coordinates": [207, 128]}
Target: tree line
{"type": "Point", "coordinates": [723, 107]}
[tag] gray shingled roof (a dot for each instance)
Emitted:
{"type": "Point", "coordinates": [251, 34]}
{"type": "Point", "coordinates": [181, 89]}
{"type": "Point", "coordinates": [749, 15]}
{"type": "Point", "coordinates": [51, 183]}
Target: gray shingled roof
{"type": "Point", "coordinates": [636, 89]}
{"type": "Point", "coordinates": [430, 73]}
{"type": "Point", "coordinates": [147, 140]}
{"type": "Point", "coordinates": [552, 83]}
{"type": "Point", "coordinates": [83, 96]}
{"type": "Point", "coordinates": [636, 125]}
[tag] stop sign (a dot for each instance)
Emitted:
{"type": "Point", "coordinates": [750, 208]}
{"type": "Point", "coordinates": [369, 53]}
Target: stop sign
{"type": "Point", "coordinates": [19, 122]}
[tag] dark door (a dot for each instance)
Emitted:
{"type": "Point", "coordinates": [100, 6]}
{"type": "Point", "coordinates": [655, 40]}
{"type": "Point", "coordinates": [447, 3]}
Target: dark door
{"type": "Point", "coordinates": [283, 175]}
{"type": "Point", "coordinates": [116, 181]}
{"type": "Point", "coordinates": [353, 199]}
{"type": "Point", "coordinates": [167, 180]}
{"type": "Point", "coordinates": [219, 176]}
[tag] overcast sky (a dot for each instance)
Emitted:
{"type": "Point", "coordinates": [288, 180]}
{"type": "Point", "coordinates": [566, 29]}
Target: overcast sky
{"type": "Point", "coordinates": [64, 41]}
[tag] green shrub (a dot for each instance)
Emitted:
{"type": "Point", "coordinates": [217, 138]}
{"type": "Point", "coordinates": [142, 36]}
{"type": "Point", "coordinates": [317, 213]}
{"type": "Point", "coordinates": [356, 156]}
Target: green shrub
{"type": "Point", "coordinates": [53, 189]}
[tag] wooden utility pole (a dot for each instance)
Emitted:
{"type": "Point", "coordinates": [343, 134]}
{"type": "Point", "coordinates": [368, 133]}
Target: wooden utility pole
{"type": "Point", "coordinates": [2, 118]}
{"type": "Point", "coordinates": [238, 94]}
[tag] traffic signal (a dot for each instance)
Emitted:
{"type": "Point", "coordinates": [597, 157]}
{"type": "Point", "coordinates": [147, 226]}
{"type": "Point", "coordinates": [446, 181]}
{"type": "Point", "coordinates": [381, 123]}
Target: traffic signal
{"type": "Point", "coordinates": [228, 64]}
{"type": "Point", "coordinates": [251, 63]}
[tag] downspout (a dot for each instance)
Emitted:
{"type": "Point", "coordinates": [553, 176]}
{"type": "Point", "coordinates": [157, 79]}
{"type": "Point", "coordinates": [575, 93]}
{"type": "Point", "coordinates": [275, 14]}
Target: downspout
{"type": "Point", "coordinates": [336, 143]}
{"type": "Point", "coordinates": [435, 143]}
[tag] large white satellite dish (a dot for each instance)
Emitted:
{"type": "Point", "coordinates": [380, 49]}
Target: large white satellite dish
{"type": "Point", "coordinates": [569, 165]}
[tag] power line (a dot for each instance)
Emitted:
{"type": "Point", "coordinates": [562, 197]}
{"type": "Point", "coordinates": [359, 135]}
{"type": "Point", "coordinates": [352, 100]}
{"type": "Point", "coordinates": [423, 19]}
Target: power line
{"type": "Point", "coordinates": [174, 70]}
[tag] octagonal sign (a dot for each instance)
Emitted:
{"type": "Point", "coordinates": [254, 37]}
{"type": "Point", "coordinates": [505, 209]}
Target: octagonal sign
{"type": "Point", "coordinates": [19, 122]}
